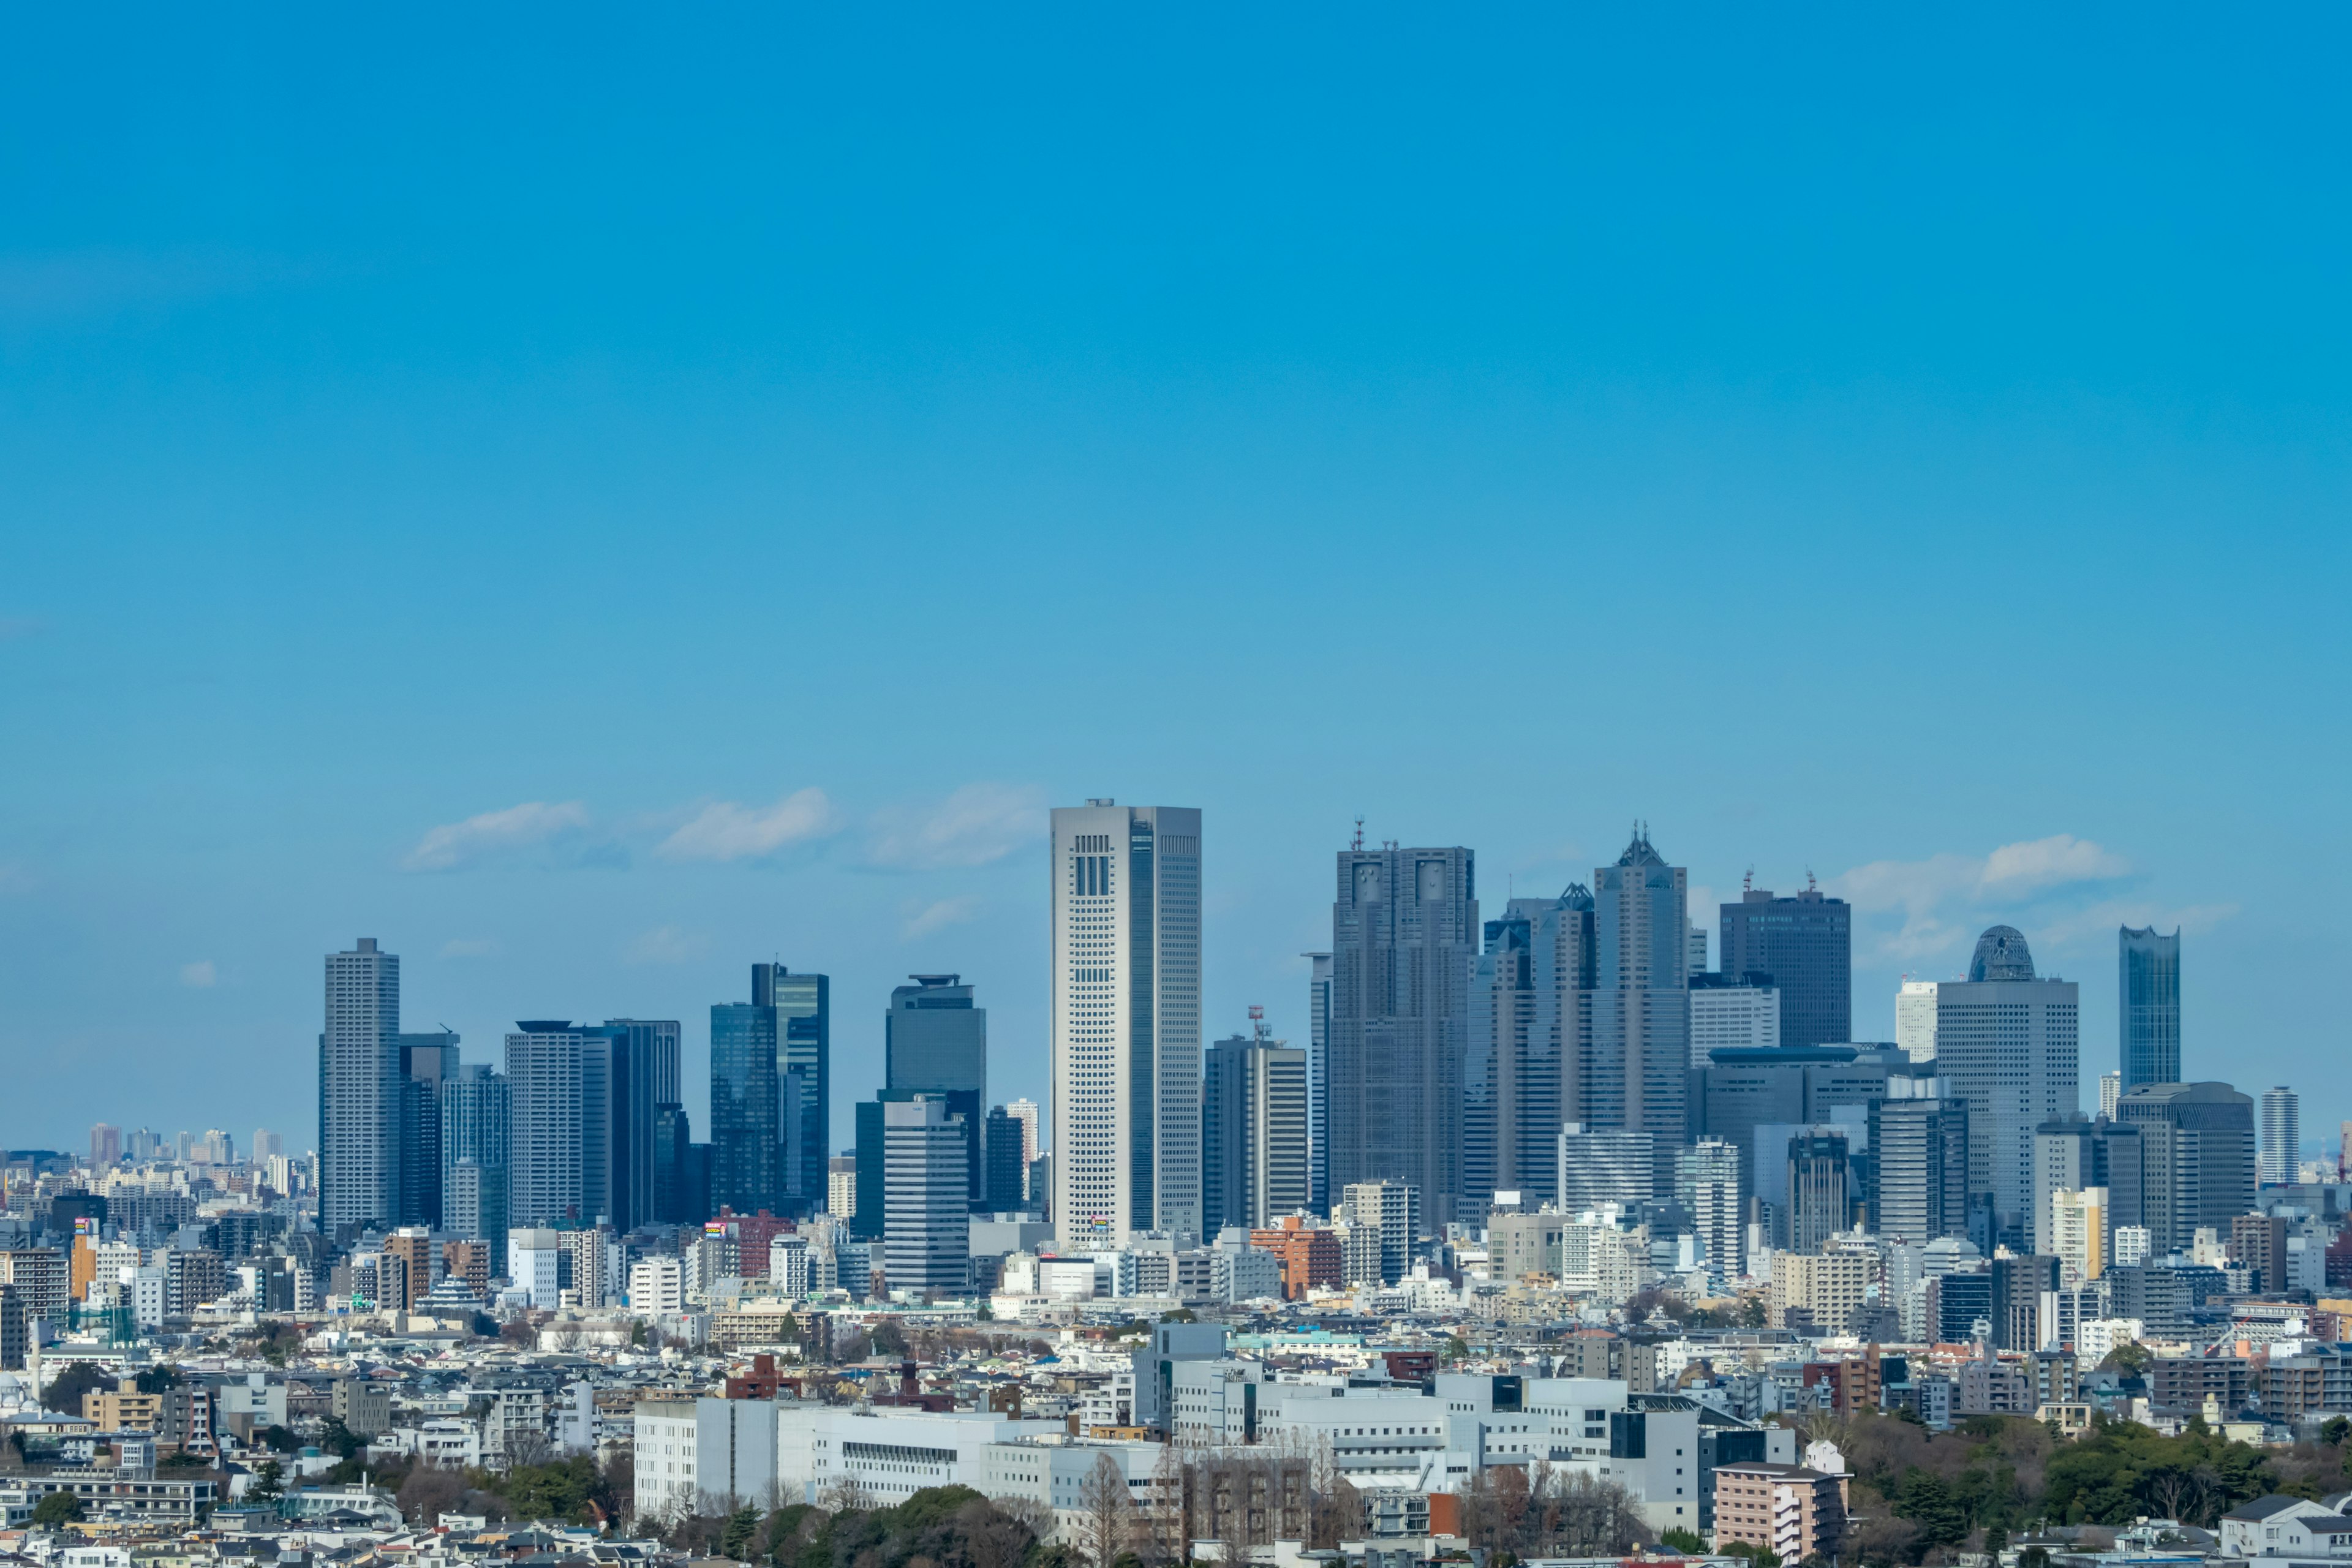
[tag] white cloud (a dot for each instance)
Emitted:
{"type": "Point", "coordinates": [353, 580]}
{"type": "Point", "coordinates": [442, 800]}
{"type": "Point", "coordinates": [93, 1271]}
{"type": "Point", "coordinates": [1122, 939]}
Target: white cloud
{"type": "Point", "coordinates": [667, 945]}
{"type": "Point", "coordinates": [724, 830]}
{"type": "Point", "coordinates": [198, 975]}
{"type": "Point", "coordinates": [1925, 891]}
{"type": "Point", "coordinates": [469, 947]}
{"type": "Point", "coordinates": [2051, 862]}
{"type": "Point", "coordinates": [922, 920]}
{"type": "Point", "coordinates": [978, 824]}
{"type": "Point", "coordinates": [460, 844]}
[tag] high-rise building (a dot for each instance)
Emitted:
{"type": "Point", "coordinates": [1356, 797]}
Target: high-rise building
{"type": "Point", "coordinates": [1510, 1078]}
{"type": "Point", "coordinates": [1820, 1201]}
{"type": "Point", "coordinates": [2282, 1136]}
{"type": "Point", "coordinates": [1405, 929]}
{"type": "Point", "coordinates": [1254, 1130]}
{"type": "Point", "coordinates": [936, 1042]}
{"type": "Point", "coordinates": [1707, 1183]}
{"type": "Point", "coordinates": [474, 1206]}
{"type": "Point", "coordinates": [641, 1057]}
{"type": "Point", "coordinates": [1125, 1022]}
{"type": "Point", "coordinates": [1634, 1075]}
{"type": "Point", "coordinates": [1806, 944]}
{"type": "Point", "coordinates": [1695, 960]}
{"type": "Point", "coordinates": [2111, 1091]}
{"type": "Point", "coordinates": [1384, 1221]}
{"type": "Point", "coordinates": [1007, 1173]}
{"type": "Point", "coordinates": [1792, 1085]}
{"type": "Point", "coordinates": [803, 1022]}
{"type": "Point", "coordinates": [2008, 1042]}
{"type": "Point", "coordinates": [2079, 1230]}
{"type": "Point", "coordinates": [927, 1208]}
{"type": "Point", "coordinates": [2197, 1158]}
{"type": "Point", "coordinates": [1732, 1012]}
{"type": "Point", "coordinates": [1915, 1019]}
{"type": "Point", "coordinates": [427, 1062]}
{"type": "Point", "coordinates": [474, 1121]}
{"type": "Point", "coordinates": [746, 1141]}
{"type": "Point", "coordinates": [360, 1090]}
{"type": "Point", "coordinates": [1318, 1077]}
{"type": "Point", "coordinates": [547, 1123]}
{"type": "Point", "coordinates": [841, 1186]}
{"type": "Point", "coordinates": [1920, 1162]}
{"type": "Point", "coordinates": [105, 1145]}
{"type": "Point", "coordinates": [1024, 1112]}
{"type": "Point", "coordinates": [1604, 1165]}
{"type": "Point", "coordinates": [2148, 1009]}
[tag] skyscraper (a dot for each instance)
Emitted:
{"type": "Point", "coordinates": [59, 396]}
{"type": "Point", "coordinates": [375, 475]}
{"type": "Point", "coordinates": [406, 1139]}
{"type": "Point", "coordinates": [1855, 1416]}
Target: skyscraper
{"type": "Point", "coordinates": [1635, 1073]}
{"type": "Point", "coordinates": [1007, 1171]}
{"type": "Point", "coordinates": [1706, 1182]}
{"type": "Point", "coordinates": [1915, 1019]}
{"type": "Point", "coordinates": [360, 1090]}
{"type": "Point", "coordinates": [427, 1062]}
{"type": "Point", "coordinates": [934, 1041]}
{"type": "Point", "coordinates": [804, 1026]}
{"type": "Point", "coordinates": [1732, 1012]}
{"type": "Point", "coordinates": [1024, 1114]}
{"type": "Point", "coordinates": [2282, 1136]}
{"type": "Point", "coordinates": [2197, 1158]}
{"type": "Point", "coordinates": [1920, 1162]}
{"type": "Point", "coordinates": [645, 1069]}
{"type": "Point", "coordinates": [1125, 1022]}
{"type": "Point", "coordinates": [2007, 1043]}
{"type": "Point", "coordinates": [2111, 1091]}
{"type": "Point", "coordinates": [927, 1208]}
{"type": "Point", "coordinates": [2148, 1010]}
{"type": "Point", "coordinates": [474, 1119]}
{"type": "Point", "coordinates": [1253, 1131]}
{"type": "Point", "coordinates": [1604, 1165]}
{"type": "Point", "coordinates": [1806, 944]}
{"type": "Point", "coordinates": [546, 1121]}
{"type": "Point", "coordinates": [1318, 1076]}
{"type": "Point", "coordinates": [1405, 929]}
{"type": "Point", "coordinates": [1511, 1079]}
{"type": "Point", "coordinates": [746, 1145]}
{"type": "Point", "coordinates": [1819, 1190]}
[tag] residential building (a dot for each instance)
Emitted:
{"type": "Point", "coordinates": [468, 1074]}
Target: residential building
{"type": "Point", "coordinates": [1796, 1513]}
{"type": "Point", "coordinates": [927, 1208]}
{"type": "Point", "coordinates": [1604, 1165]}
{"type": "Point", "coordinates": [1915, 1019]}
{"type": "Point", "coordinates": [841, 1186]}
{"type": "Point", "coordinates": [1384, 1221]}
{"type": "Point", "coordinates": [934, 1041]}
{"type": "Point", "coordinates": [475, 1118]}
{"type": "Point", "coordinates": [2282, 1136]}
{"type": "Point", "coordinates": [474, 1205]}
{"type": "Point", "coordinates": [39, 1277]}
{"type": "Point", "coordinates": [1732, 1012]}
{"type": "Point", "coordinates": [1805, 943]}
{"type": "Point", "coordinates": [1254, 1130]}
{"type": "Point", "coordinates": [547, 1121]}
{"type": "Point", "coordinates": [1126, 1022]}
{"type": "Point", "coordinates": [1309, 1255]}
{"type": "Point", "coordinates": [1635, 1074]}
{"type": "Point", "coordinates": [360, 1093]}
{"type": "Point", "coordinates": [2007, 1043]}
{"type": "Point", "coordinates": [1706, 1182]}
{"type": "Point", "coordinates": [2078, 1230]}
{"type": "Point", "coordinates": [2111, 1089]}
{"type": "Point", "coordinates": [2147, 1012]}
{"type": "Point", "coordinates": [1817, 1291]}
{"type": "Point", "coordinates": [1404, 929]}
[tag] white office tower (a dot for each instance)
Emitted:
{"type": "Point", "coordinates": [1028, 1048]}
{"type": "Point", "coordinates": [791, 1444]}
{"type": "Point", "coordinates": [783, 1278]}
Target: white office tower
{"type": "Point", "coordinates": [1915, 1019]}
{"type": "Point", "coordinates": [1725, 1015]}
{"type": "Point", "coordinates": [2281, 1135]}
{"type": "Point", "coordinates": [1024, 1112]}
{"type": "Point", "coordinates": [926, 1197]}
{"type": "Point", "coordinates": [2008, 1042]}
{"type": "Point", "coordinates": [1707, 1183]}
{"type": "Point", "coordinates": [1126, 1023]}
{"type": "Point", "coordinates": [1604, 1165]}
{"type": "Point", "coordinates": [2111, 1093]}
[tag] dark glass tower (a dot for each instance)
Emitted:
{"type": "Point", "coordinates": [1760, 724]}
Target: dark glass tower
{"type": "Point", "coordinates": [1806, 944]}
{"type": "Point", "coordinates": [743, 1135]}
{"type": "Point", "coordinates": [936, 1042]}
{"type": "Point", "coordinates": [802, 1010]}
{"type": "Point", "coordinates": [2149, 1013]}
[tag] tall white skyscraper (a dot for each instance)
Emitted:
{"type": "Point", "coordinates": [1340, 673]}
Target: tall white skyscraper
{"type": "Point", "coordinates": [1915, 1019]}
{"type": "Point", "coordinates": [2009, 1044]}
{"type": "Point", "coordinates": [1024, 1112]}
{"type": "Point", "coordinates": [359, 1088]}
{"type": "Point", "coordinates": [1126, 1022]}
{"type": "Point", "coordinates": [1733, 1017]}
{"type": "Point", "coordinates": [2281, 1135]}
{"type": "Point", "coordinates": [2111, 1091]}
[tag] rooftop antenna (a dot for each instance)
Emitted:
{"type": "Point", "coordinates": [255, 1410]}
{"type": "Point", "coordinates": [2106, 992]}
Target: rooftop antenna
{"type": "Point", "coordinates": [1747, 880]}
{"type": "Point", "coordinates": [1257, 1022]}
{"type": "Point", "coordinates": [1809, 879]}
{"type": "Point", "coordinates": [1358, 844]}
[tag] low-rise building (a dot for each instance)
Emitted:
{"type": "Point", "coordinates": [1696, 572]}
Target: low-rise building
{"type": "Point", "coordinates": [1796, 1512]}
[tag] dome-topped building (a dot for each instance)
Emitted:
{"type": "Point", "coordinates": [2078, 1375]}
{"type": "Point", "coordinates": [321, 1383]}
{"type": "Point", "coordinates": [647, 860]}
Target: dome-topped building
{"type": "Point", "coordinates": [2002, 954]}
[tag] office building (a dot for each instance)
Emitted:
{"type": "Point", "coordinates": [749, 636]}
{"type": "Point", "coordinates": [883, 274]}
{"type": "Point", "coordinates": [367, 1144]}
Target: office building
{"type": "Point", "coordinates": [934, 1041]}
{"type": "Point", "coordinates": [1820, 1188]}
{"type": "Point", "coordinates": [1635, 1073]}
{"type": "Point", "coordinates": [1741, 1091]}
{"type": "Point", "coordinates": [360, 1092]}
{"type": "Point", "coordinates": [1604, 1165]}
{"type": "Point", "coordinates": [1253, 1132]}
{"type": "Point", "coordinates": [1025, 1113]}
{"type": "Point", "coordinates": [474, 1206]}
{"type": "Point", "coordinates": [1405, 929]}
{"type": "Point", "coordinates": [1915, 1019]}
{"type": "Point", "coordinates": [841, 1186]}
{"type": "Point", "coordinates": [1694, 952]}
{"type": "Point", "coordinates": [2148, 1006]}
{"type": "Point", "coordinates": [1733, 1012]}
{"type": "Point", "coordinates": [1384, 1221]}
{"type": "Point", "coordinates": [1920, 1162]}
{"type": "Point", "coordinates": [2111, 1089]}
{"type": "Point", "coordinates": [1806, 944]}
{"type": "Point", "coordinates": [927, 1208]}
{"type": "Point", "coordinates": [547, 1124]}
{"type": "Point", "coordinates": [2196, 1164]}
{"type": "Point", "coordinates": [802, 1009]}
{"type": "Point", "coordinates": [1511, 1079]}
{"type": "Point", "coordinates": [474, 1120]}
{"type": "Point", "coordinates": [427, 1063]}
{"type": "Point", "coordinates": [1708, 1183]}
{"type": "Point", "coordinates": [1007, 1189]}
{"type": "Point", "coordinates": [105, 1145]}
{"type": "Point", "coordinates": [2007, 1042]}
{"type": "Point", "coordinates": [1318, 1076]}
{"type": "Point", "coordinates": [2282, 1136]}
{"type": "Point", "coordinates": [746, 1138]}
{"type": "Point", "coordinates": [1125, 1022]}
{"type": "Point", "coordinates": [681, 1169]}
{"type": "Point", "coordinates": [640, 1061]}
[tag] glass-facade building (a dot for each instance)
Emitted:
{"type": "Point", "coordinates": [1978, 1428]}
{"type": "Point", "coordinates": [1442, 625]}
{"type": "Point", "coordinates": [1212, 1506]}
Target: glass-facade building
{"type": "Point", "coordinates": [743, 1135]}
{"type": "Point", "coordinates": [1806, 944]}
{"type": "Point", "coordinates": [2148, 1011]}
{"type": "Point", "coordinates": [803, 1005]}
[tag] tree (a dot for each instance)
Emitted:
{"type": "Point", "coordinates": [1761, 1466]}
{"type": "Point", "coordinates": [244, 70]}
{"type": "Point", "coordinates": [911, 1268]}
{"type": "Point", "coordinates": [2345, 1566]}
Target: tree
{"type": "Point", "coordinates": [429, 1492]}
{"type": "Point", "coordinates": [890, 1340]}
{"type": "Point", "coordinates": [56, 1510]}
{"type": "Point", "coordinates": [1926, 1499]}
{"type": "Point", "coordinates": [338, 1440]}
{"type": "Point", "coordinates": [1106, 1515]}
{"type": "Point", "coordinates": [743, 1527]}
{"type": "Point", "coordinates": [2336, 1430]}
{"type": "Point", "coordinates": [1686, 1541]}
{"type": "Point", "coordinates": [268, 1483]}
{"type": "Point", "coordinates": [65, 1390]}
{"type": "Point", "coordinates": [157, 1378]}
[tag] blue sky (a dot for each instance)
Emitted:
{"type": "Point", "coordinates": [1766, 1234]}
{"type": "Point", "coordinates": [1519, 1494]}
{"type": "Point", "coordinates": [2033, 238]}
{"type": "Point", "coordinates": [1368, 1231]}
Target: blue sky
{"type": "Point", "coordinates": [593, 498]}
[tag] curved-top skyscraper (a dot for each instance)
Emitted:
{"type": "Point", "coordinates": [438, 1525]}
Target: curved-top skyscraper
{"type": "Point", "coordinates": [2148, 1011]}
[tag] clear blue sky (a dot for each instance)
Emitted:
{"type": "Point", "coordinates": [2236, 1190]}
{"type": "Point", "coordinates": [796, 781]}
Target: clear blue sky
{"type": "Point", "coordinates": [1908, 448]}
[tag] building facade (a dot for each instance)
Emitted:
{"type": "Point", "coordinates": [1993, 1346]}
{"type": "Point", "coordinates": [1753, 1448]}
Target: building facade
{"type": "Point", "coordinates": [927, 1208]}
{"type": "Point", "coordinates": [1635, 1072]}
{"type": "Point", "coordinates": [2282, 1136]}
{"type": "Point", "coordinates": [1253, 1162]}
{"type": "Point", "coordinates": [361, 1090]}
{"type": "Point", "coordinates": [2148, 1006]}
{"type": "Point", "coordinates": [1805, 943]}
{"type": "Point", "coordinates": [2007, 1041]}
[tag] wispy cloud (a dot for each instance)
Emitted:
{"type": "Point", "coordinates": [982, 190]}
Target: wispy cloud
{"type": "Point", "coordinates": [924, 919]}
{"type": "Point", "coordinates": [199, 975]}
{"type": "Point", "coordinates": [978, 824]}
{"type": "Point", "coordinates": [667, 945]}
{"type": "Point", "coordinates": [1935, 895]}
{"type": "Point", "coordinates": [469, 947]}
{"type": "Point", "coordinates": [724, 830]}
{"type": "Point", "coordinates": [457, 845]}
